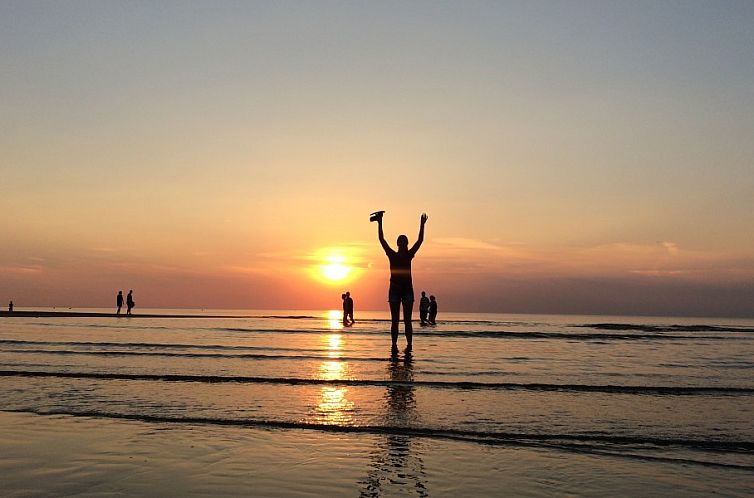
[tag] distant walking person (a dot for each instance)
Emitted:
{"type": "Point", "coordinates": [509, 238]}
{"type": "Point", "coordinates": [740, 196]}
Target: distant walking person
{"type": "Point", "coordinates": [130, 302]}
{"type": "Point", "coordinates": [401, 285]}
{"type": "Point", "coordinates": [432, 310]}
{"type": "Point", "coordinates": [423, 308]}
{"type": "Point", "coordinates": [119, 301]}
{"type": "Point", "coordinates": [348, 305]}
{"type": "Point", "coordinates": [10, 307]}
{"type": "Point", "coordinates": [345, 309]}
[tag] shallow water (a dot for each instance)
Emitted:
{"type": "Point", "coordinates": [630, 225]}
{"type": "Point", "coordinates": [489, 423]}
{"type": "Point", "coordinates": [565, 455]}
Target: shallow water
{"type": "Point", "coordinates": [616, 391]}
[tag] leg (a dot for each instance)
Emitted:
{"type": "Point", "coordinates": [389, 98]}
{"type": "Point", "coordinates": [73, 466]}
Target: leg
{"type": "Point", "coordinates": [408, 309]}
{"type": "Point", "coordinates": [395, 315]}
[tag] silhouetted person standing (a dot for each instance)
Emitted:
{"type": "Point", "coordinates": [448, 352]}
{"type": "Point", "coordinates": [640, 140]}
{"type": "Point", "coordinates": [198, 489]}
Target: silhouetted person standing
{"type": "Point", "coordinates": [432, 310]}
{"type": "Point", "coordinates": [130, 302]}
{"type": "Point", "coordinates": [10, 307]}
{"type": "Point", "coordinates": [401, 286]}
{"type": "Point", "coordinates": [423, 308]}
{"type": "Point", "coordinates": [345, 310]}
{"type": "Point", "coordinates": [119, 301]}
{"type": "Point", "coordinates": [348, 305]}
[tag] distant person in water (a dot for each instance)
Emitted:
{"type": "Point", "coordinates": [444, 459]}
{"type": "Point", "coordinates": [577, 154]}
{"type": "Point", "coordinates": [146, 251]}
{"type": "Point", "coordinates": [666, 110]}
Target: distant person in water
{"type": "Point", "coordinates": [423, 308]}
{"type": "Point", "coordinates": [348, 305]}
{"type": "Point", "coordinates": [401, 286]}
{"type": "Point", "coordinates": [10, 307]}
{"type": "Point", "coordinates": [432, 310]}
{"type": "Point", "coordinates": [345, 309]}
{"type": "Point", "coordinates": [119, 301]}
{"type": "Point", "coordinates": [130, 302]}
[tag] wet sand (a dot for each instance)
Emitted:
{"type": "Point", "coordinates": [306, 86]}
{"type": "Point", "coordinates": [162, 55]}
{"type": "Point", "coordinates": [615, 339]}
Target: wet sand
{"type": "Point", "coordinates": [52, 455]}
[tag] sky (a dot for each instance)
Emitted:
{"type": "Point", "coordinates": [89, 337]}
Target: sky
{"type": "Point", "coordinates": [573, 157]}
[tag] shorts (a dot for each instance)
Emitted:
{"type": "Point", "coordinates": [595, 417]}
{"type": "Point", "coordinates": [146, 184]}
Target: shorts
{"type": "Point", "coordinates": [400, 294]}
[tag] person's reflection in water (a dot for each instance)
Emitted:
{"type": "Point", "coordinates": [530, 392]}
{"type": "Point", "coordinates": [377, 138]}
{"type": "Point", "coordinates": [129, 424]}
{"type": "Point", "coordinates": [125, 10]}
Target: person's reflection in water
{"type": "Point", "coordinates": [396, 461]}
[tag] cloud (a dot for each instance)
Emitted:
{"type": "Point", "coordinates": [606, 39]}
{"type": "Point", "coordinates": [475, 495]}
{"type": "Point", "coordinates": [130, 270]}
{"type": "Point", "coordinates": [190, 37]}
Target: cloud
{"type": "Point", "coordinates": [666, 259]}
{"type": "Point", "coordinates": [22, 269]}
{"type": "Point", "coordinates": [671, 247]}
{"type": "Point", "coordinates": [464, 243]}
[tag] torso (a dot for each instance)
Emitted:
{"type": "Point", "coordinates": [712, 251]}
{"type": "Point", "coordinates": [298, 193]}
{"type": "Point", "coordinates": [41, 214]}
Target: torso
{"type": "Point", "coordinates": [400, 268]}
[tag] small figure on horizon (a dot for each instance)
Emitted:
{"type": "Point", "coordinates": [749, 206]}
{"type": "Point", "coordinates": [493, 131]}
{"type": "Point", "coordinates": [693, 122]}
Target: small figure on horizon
{"type": "Point", "coordinates": [432, 310]}
{"type": "Point", "coordinates": [349, 308]}
{"type": "Point", "coordinates": [401, 290]}
{"type": "Point", "coordinates": [345, 310]}
{"type": "Point", "coordinates": [423, 308]}
{"type": "Point", "coordinates": [129, 302]}
{"type": "Point", "coordinates": [10, 307]}
{"type": "Point", "coordinates": [119, 301]}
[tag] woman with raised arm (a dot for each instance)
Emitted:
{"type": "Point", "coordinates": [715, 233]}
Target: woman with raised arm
{"type": "Point", "coordinates": [401, 286]}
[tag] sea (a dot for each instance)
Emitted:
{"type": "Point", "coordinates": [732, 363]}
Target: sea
{"type": "Point", "coordinates": [484, 404]}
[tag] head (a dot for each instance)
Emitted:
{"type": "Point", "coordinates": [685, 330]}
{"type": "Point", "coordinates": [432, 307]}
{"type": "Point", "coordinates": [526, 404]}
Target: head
{"type": "Point", "coordinates": [348, 294]}
{"type": "Point", "coordinates": [431, 298]}
{"type": "Point", "coordinates": [342, 296]}
{"type": "Point", "coordinates": [120, 292]}
{"type": "Point", "coordinates": [402, 242]}
{"type": "Point", "coordinates": [424, 294]}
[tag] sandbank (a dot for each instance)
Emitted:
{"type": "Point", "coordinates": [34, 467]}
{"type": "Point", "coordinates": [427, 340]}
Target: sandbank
{"type": "Point", "coordinates": [91, 314]}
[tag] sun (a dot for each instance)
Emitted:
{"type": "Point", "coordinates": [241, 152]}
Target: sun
{"type": "Point", "coordinates": [335, 265]}
{"type": "Point", "coordinates": [335, 269]}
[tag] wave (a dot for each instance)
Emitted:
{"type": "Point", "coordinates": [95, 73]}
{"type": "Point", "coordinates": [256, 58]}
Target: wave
{"type": "Point", "coordinates": [632, 332]}
{"type": "Point", "coordinates": [665, 328]}
{"type": "Point", "coordinates": [248, 356]}
{"type": "Point", "coordinates": [152, 345]}
{"type": "Point", "coordinates": [461, 385]}
{"type": "Point", "coordinates": [289, 317]}
{"type": "Point", "coordinates": [487, 437]}
{"type": "Point", "coordinates": [491, 334]}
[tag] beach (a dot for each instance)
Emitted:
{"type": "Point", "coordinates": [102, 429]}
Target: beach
{"type": "Point", "coordinates": [86, 456]}
{"type": "Point", "coordinates": [271, 403]}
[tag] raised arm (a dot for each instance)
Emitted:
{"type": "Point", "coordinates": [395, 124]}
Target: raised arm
{"type": "Point", "coordinates": [381, 235]}
{"type": "Point", "coordinates": [420, 238]}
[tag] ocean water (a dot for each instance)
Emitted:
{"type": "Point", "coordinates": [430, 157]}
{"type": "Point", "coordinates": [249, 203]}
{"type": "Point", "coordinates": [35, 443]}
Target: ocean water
{"type": "Point", "coordinates": [668, 402]}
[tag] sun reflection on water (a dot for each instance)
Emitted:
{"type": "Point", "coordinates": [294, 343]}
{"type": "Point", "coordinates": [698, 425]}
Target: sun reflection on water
{"type": "Point", "coordinates": [335, 319]}
{"type": "Point", "coordinates": [333, 406]}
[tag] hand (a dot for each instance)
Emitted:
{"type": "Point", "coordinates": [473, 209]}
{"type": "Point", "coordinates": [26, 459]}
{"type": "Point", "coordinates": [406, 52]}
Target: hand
{"type": "Point", "coordinates": [424, 218]}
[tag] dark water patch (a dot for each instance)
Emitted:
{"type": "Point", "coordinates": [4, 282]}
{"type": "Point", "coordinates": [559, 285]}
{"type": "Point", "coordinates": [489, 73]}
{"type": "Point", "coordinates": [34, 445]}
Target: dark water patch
{"type": "Point", "coordinates": [556, 441]}
{"type": "Point", "coordinates": [460, 385]}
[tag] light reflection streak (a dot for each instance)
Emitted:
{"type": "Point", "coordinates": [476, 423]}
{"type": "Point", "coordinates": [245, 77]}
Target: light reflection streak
{"type": "Point", "coordinates": [335, 319]}
{"type": "Point", "coordinates": [333, 407]}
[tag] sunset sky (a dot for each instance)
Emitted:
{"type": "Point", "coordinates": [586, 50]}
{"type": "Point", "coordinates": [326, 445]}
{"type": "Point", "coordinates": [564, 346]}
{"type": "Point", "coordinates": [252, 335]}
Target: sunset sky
{"type": "Point", "coordinates": [573, 157]}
